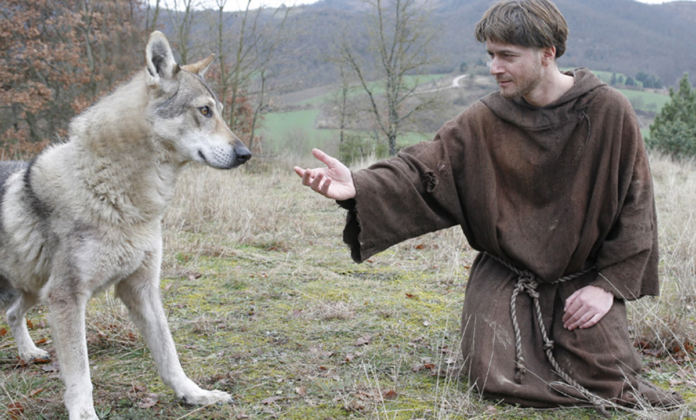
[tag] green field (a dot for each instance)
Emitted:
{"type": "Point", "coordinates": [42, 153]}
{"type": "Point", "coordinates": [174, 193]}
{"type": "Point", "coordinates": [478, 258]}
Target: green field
{"type": "Point", "coordinates": [294, 131]}
{"type": "Point", "coordinates": [645, 101]}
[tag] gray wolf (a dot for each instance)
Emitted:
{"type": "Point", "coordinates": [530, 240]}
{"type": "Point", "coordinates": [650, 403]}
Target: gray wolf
{"type": "Point", "coordinates": [86, 215]}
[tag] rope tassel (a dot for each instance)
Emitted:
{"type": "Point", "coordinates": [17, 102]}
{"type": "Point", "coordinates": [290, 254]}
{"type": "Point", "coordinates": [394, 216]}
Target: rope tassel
{"type": "Point", "coordinates": [527, 282]}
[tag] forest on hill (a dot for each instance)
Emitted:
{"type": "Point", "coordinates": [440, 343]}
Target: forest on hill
{"type": "Point", "coordinates": [617, 36]}
{"type": "Point", "coordinates": [51, 69]}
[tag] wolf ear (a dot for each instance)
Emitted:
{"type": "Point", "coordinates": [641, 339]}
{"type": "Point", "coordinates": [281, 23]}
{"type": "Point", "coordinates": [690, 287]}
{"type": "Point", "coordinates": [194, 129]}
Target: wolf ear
{"type": "Point", "coordinates": [159, 59]}
{"type": "Point", "coordinates": [199, 67]}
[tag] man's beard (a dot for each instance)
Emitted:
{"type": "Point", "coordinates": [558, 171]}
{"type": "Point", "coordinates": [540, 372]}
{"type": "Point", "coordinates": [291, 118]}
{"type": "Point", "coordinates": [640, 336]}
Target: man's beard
{"type": "Point", "coordinates": [523, 84]}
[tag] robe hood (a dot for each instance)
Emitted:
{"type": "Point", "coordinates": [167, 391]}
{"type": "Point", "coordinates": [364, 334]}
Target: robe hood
{"type": "Point", "coordinates": [540, 120]}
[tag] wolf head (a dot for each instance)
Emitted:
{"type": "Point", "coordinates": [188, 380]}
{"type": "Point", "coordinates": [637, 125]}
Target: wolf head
{"type": "Point", "coordinates": [186, 114]}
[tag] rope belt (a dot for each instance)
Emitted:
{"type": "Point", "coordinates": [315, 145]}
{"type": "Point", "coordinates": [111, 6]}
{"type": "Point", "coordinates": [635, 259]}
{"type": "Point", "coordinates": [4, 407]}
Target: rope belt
{"type": "Point", "coordinates": [528, 282]}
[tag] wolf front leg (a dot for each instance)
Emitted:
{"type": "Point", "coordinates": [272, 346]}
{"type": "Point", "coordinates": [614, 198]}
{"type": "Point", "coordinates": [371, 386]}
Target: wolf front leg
{"type": "Point", "coordinates": [67, 320]}
{"type": "Point", "coordinates": [141, 295]}
{"type": "Point", "coordinates": [18, 325]}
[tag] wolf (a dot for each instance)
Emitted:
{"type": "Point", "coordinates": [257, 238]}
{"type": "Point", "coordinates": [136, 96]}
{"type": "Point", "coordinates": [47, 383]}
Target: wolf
{"type": "Point", "coordinates": [86, 214]}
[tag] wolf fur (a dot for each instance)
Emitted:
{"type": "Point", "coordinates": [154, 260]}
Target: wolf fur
{"type": "Point", "coordinates": [86, 215]}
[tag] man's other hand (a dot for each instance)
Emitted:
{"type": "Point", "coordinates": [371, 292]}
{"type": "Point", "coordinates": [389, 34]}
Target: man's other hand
{"type": "Point", "coordinates": [335, 181]}
{"type": "Point", "coordinates": [586, 307]}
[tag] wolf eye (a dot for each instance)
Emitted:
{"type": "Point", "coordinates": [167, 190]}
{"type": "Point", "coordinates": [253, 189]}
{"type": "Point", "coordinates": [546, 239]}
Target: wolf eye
{"type": "Point", "coordinates": [205, 111]}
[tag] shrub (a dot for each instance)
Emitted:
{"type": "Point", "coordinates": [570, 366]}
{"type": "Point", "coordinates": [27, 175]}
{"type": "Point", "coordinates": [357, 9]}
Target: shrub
{"type": "Point", "coordinates": [356, 147]}
{"type": "Point", "coordinates": [674, 129]}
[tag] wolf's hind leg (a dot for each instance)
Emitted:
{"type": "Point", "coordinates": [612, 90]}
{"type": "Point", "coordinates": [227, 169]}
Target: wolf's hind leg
{"type": "Point", "coordinates": [18, 325]}
{"type": "Point", "coordinates": [141, 296]}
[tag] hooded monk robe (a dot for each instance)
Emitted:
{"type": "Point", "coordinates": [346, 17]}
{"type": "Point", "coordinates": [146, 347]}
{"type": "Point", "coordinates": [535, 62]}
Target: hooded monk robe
{"type": "Point", "coordinates": [553, 191]}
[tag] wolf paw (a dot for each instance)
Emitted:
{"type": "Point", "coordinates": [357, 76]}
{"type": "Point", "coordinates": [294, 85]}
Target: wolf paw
{"type": "Point", "coordinates": [34, 355]}
{"type": "Point", "coordinates": [202, 397]}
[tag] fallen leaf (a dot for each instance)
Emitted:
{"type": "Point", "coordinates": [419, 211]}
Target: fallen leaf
{"type": "Point", "coordinates": [349, 357]}
{"type": "Point", "coordinates": [148, 403]}
{"type": "Point", "coordinates": [301, 391]}
{"type": "Point", "coordinates": [2, 332]}
{"type": "Point", "coordinates": [53, 367]}
{"type": "Point", "coordinates": [139, 388]}
{"type": "Point", "coordinates": [30, 324]}
{"type": "Point", "coordinates": [354, 406]}
{"type": "Point", "coordinates": [15, 409]}
{"type": "Point", "coordinates": [364, 340]}
{"type": "Point", "coordinates": [389, 395]}
{"type": "Point", "coordinates": [36, 392]}
{"type": "Point", "coordinates": [41, 341]}
{"type": "Point", "coordinates": [271, 400]}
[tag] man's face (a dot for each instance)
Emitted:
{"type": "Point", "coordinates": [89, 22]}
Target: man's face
{"type": "Point", "coordinates": [518, 70]}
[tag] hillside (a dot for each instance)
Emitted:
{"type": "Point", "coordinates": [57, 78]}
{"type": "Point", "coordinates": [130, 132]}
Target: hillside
{"type": "Point", "coordinates": [618, 35]}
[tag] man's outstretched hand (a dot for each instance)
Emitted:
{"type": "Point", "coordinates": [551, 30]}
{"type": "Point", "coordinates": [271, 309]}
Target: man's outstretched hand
{"type": "Point", "coordinates": [335, 181]}
{"type": "Point", "coordinates": [586, 307]}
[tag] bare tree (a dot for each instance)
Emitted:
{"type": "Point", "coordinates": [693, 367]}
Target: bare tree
{"type": "Point", "coordinates": [181, 15]}
{"type": "Point", "coordinates": [246, 49]}
{"type": "Point", "coordinates": [399, 45]}
{"type": "Point", "coordinates": [151, 22]}
{"type": "Point", "coordinates": [341, 102]}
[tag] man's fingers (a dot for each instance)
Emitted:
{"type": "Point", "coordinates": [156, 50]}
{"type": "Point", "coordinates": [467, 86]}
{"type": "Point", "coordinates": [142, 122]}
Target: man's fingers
{"type": "Point", "coordinates": [326, 159]}
{"type": "Point", "coordinates": [306, 177]}
{"type": "Point", "coordinates": [325, 187]}
{"type": "Point", "coordinates": [573, 315]}
{"type": "Point", "coordinates": [573, 324]}
{"type": "Point", "coordinates": [591, 322]}
{"type": "Point", "coordinates": [316, 182]}
{"type": "Point", "coordinates": [571, 310]}
{"type": "Point", "coordinates": [299, 171]}
{"type": "Point", "coordinates": [571, 299]}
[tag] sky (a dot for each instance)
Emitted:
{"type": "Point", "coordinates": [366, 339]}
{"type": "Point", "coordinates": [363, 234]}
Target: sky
{"type": "Point", "coordinates": [658, 1]}
{"type": "Point", "coordinates": [276, 3]}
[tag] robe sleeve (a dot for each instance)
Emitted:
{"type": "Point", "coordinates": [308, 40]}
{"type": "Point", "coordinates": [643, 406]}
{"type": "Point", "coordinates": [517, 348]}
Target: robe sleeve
{"type": "Point", "coordinates": [400, 198]}
{"type": "Point", "coordinates": [628, 259]}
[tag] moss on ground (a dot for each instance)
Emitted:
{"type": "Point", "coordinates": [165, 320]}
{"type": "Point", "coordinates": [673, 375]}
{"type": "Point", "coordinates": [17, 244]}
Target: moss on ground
{"type": "Point", "coordinates": [283, 320]}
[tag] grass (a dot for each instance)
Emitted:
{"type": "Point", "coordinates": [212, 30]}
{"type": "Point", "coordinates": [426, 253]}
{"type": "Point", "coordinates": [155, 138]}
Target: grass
{"type": "Point", "coordinates": [265, 303]}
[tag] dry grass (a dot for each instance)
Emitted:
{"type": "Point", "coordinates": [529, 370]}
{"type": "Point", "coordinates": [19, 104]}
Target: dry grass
{"type": "Point", "coordinates": [264, 302]}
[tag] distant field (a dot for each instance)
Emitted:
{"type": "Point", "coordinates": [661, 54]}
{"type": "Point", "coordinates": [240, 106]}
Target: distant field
{"type": "Point", "coordinates": [285, 131]}
{"type": "Point", "coordinates": [294, 131]}
{"type": "Point", "coordinates": [410, 81]}
{"type": "Point", "coordinates": [645, 101]}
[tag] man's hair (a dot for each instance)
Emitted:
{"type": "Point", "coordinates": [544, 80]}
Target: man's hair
{"type": "Point", "coordinates": [527, 23]}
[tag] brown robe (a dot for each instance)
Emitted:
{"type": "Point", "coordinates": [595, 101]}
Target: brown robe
{"type": "Point", "coordinates": [554, 191]}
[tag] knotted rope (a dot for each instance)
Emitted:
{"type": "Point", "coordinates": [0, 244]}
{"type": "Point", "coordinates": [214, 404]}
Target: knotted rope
{"type": "Point", "coordinates": [528, 282]}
